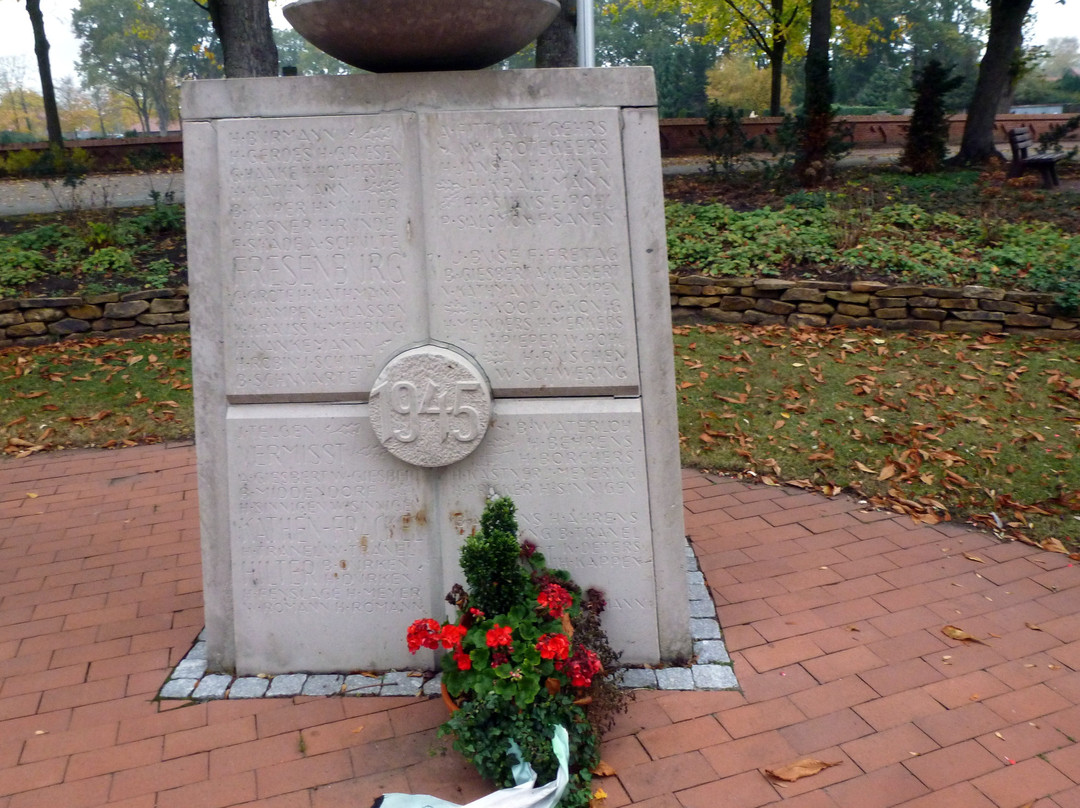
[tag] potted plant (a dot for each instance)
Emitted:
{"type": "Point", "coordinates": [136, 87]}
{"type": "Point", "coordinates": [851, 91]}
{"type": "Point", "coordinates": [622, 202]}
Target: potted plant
{"type": "Point", "coordinates": [526, 654]}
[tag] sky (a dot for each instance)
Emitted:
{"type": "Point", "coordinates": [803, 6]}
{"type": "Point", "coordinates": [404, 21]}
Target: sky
{"type": "Point", "coordinates": [16, 38]}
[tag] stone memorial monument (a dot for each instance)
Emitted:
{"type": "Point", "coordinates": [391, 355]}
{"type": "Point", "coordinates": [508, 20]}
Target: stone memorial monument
{"type": "Point", "coordinates": [411, 291]}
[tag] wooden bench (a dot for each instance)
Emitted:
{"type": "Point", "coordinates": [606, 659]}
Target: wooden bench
{"type": "Point", "coordinates": [1021, 140]}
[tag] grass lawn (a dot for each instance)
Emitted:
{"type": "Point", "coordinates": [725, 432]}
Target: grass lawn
{"type": "Point", "coordinates": [95, 392]}
{"type": "Point", "coordinates": [937, 426]}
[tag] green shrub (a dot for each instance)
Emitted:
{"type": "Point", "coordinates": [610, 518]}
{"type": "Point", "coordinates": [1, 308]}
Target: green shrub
{"type": "Point", "coordinates": [22, 163]}
{"type": "Point", "coordinates": [99, 235]}
{"type": "Point", "coordinates": [928, 131]}
{"type": "Point", "coordinates": [46, 237]}
{"type": "Point", "coordinates": [163, 217]}
{"type": "Point", "coordinates": [724, 140]}
{"type": "Point", "coordinates": [490, 562]}
{"type": "Point", "coordinates": [483, 730]}
{"type": "Point", "coordinates": [69, 164]}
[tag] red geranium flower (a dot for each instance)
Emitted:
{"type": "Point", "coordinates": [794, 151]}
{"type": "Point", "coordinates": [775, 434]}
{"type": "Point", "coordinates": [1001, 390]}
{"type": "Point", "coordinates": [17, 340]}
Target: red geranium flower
{"type": "Point", "coordinates": [451, 636]}
{"type": "Point", "coordinates": [555, 598]}
{"type": "Point", "coordinates": [464, 662]}
{"type": "Point", "coordinates": [423, 634]}
{"type": "Point", "coordinates": [583, 667]}
{"type": "Point", "coordinates": [499, 635]}
{"type": "Point", "coordinates": [553, 646]}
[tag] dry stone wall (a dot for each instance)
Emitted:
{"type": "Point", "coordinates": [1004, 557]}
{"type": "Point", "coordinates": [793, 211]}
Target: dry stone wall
{"type": "Point", "coordinates": [694, 298]}
{"type": "Point", "coordinates": [819, 304]}
{"type": "Point", "coordinates": [41, 320]}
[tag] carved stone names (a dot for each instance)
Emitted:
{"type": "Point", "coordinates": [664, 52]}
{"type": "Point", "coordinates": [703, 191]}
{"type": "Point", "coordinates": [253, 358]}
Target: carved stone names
{"type": "Point", "coordinates": [331, 545]}
{"type": "Point", "coordinates": [528, 249]}
{"type": "Point", "coordinates": [576, 471]}
{"type": "Point", "coordinates": [319, 257]}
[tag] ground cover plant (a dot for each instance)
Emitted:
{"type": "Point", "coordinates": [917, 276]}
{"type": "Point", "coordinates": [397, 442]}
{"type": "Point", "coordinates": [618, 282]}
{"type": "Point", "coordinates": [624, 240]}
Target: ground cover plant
{"type": "Point", "coordinates": [938, 426]}
{"type": "Point", "coordinates": [93, 252]}
{"type": "Point", "coordinates": [951, 229]}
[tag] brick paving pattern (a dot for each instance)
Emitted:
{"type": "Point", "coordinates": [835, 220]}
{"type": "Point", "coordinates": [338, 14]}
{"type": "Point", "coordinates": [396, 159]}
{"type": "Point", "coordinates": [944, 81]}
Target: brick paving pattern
{"type": "Point", "coordinates": [832, 616]}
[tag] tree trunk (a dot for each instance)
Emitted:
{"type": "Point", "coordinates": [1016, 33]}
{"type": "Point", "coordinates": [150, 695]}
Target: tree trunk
{"type": "Point", "coordinates": [25, 112]}
{"type": "Point", "coordinates": [247, 37]}
{"type": "Point", "coordinates": [776, 86]}
{"type": "Point", "coordinates": [1006, 34]}
{"type": "Point", "coordinates": [164, 115]}
{"type": "Point", "coordinates": [48, 92]}
{"type": "Point", "coordinates": [1016, 71]}
{"type": "Point", "coordinates": [776, 58]}
{"type": "Point", "coordinates": [812, 165]}
{"type": "Point", "coordinates": [557, 46]}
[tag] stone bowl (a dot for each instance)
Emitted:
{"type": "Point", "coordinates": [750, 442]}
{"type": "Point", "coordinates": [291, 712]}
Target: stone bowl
{"type": "Point", "coordinates": [389, 36]}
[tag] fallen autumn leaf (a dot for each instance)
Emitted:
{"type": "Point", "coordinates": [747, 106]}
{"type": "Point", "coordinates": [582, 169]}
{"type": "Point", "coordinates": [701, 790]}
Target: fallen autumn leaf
{"type": "Point", "coordinates": [799, 769]}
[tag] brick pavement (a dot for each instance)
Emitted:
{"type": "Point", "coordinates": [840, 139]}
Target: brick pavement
{"type": "Point", "coordinates": [832, 616]}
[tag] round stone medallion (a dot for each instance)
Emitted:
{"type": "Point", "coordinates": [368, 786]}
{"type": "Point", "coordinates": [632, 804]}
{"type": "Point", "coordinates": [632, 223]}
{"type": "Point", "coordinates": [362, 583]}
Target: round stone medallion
{"type": "Point", "coordinates": [430, 406]}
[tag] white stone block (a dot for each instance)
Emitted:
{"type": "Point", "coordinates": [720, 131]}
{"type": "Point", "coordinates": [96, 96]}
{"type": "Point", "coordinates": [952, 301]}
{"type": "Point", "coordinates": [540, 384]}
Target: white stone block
{"type": "Point", "coordinates": [331, 541]}
{"type": "Point", "coordinates": [513, 218]}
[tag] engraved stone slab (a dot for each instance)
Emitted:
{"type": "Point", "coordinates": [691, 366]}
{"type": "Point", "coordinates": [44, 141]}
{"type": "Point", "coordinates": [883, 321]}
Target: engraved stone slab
{"type": "Point", "coordinates": [576, 471]}
{"type": "Point", "coordinates": [430, 406]}
{"type": "Point", "coordinates": [321, 271]}
{"type": "Point", "coordinates": [528, 251]}
{"type": "Point", "coordinates": [332, 551]}
{"type": "Point", "coordinates": [511, 222]}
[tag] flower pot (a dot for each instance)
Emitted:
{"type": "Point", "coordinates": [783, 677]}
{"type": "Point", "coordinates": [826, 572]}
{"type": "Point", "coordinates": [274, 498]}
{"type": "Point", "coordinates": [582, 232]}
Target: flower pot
{"type": "Point", "coordinates": [448, 700]}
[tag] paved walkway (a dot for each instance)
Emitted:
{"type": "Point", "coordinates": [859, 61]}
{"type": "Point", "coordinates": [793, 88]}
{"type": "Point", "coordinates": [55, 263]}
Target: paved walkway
{"type": "Point", "coordinates": [833, 616]}
{"type": "Point", "coordinates": [20, 197]}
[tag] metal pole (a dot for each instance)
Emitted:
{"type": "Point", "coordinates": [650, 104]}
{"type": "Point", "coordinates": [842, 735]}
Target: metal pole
{"type": "Point", "coordinates": [586, 35]}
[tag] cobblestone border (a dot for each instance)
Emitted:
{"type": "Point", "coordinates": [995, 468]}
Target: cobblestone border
{"type": "Point", "coordinates": [710, 669]}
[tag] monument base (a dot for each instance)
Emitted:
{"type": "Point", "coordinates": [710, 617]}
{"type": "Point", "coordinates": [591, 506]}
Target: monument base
{"type": "Point", "coordinates": [410, 292]}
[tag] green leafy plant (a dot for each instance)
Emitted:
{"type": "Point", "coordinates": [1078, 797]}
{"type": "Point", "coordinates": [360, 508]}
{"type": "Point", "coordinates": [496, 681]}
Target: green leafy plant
{"type": "Point", "coordinates": [19, 267]}
{"type": "Point", "coordinates": [537, 661]}
{"type": "Point", "coordinates": [99, 235]}
{"type": "Point", "coordinates": [163, 217]}
{"type": "Point", "coordinates": [893, 235]}
{"type": "Point", "coordinates": [158, 273]}
{"type": "Point", "coordinates": [108, 260]}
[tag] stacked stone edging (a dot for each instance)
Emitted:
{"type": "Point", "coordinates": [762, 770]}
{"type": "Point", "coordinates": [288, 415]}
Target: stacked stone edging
{"type": "Point", "coordinates": [820, 304]}
{"type": "Point", "coordinates": [694, 298]}
{"type": "Point", "coordinates": [41, 320]}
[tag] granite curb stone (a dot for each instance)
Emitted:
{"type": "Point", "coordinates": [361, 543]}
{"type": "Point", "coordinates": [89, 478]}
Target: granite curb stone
{"type": "Point", "coordinates": [710, 668]}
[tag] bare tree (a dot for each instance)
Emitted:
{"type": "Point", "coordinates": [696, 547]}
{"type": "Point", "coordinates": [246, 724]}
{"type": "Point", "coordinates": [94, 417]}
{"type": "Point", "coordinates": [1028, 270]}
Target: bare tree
{"type": "Point", "coordinates": [48, 93]}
